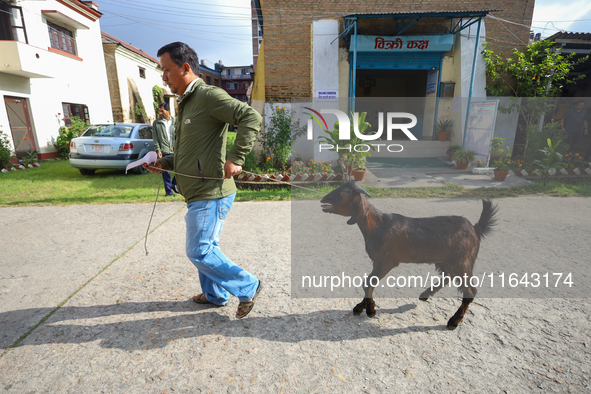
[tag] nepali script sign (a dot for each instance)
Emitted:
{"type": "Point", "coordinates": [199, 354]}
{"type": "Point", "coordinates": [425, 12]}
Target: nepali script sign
{"type": "Point", "coordinates": [389, 44]}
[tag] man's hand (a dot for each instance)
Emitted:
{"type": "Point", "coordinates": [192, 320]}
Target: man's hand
{"type": "Point", "coordinates": [154, 168]}
{"type": "Point", "coordinates": [159, 154]}
{"type": "Point", "coordinates": [231, 169]}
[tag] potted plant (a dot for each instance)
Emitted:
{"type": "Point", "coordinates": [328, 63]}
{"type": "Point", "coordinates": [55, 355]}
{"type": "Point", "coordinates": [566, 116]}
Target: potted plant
{"type": "Point", "coordinates": [359, 169]}
{"type": "Point", "coordinates": [501, 164]}
{"type": "Point", "coordinates": [443, 129]}
{"type": "Point", "coordinates": [451, 150]}
{"type": "Point", "coordinates": [463, 157]}
{"type": "Point", "coordinates": [347, 159]}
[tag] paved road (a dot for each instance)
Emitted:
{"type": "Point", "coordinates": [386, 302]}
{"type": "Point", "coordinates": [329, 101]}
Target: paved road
{"type": "Point", "coordinates": [132, 328]}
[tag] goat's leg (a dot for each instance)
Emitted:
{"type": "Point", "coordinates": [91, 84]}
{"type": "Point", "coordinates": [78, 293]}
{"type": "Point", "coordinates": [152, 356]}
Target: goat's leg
{"type": "Point", "coordinates": [469, 294]}
{"type": "Point", "coordinates": [379, 271]}
{"type": "Point", "coordinates": [429, 292]}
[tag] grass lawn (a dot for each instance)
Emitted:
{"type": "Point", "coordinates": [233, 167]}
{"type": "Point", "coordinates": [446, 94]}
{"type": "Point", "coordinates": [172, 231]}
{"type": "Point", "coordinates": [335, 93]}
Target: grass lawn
{"type": "Point", "coordinates": [57, 183]}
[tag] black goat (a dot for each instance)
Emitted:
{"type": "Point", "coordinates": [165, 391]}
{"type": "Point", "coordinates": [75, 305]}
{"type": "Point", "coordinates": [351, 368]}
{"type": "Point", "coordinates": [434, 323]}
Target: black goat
{"type": "Point", "coordinates": [449, 242]}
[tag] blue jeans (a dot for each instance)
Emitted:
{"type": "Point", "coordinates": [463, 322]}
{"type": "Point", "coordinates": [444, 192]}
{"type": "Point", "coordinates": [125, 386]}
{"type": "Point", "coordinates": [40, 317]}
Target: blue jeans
{"type": "Point", "coordinates": [168, 184]}
{"type": "Point", "coordinates": [218, 275]}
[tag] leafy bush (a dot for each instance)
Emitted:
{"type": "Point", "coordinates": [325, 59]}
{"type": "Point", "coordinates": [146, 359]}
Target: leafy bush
{"type": "Point", "coordinates": [279, 135]}
{"type": "Point", "coordinates": [5, 151]}
{"type": "Point", "coordinates": [311, 167]}
{"type": "Point", "coordinates": [250, 161]}
{"type": "Point", "coordinates": [551, 161]}
{"type": "Point", "coordinates": [65, 135]}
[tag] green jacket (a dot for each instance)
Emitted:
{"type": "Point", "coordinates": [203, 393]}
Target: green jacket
{"type": "Point", "coordinates": [160, 136]}
{"type": "Point", "coordinates": [201, 129]}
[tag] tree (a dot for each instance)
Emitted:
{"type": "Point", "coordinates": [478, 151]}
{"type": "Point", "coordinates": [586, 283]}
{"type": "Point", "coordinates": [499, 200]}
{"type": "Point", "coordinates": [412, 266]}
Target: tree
{"type": "Point", "coordinates": [533, 73]}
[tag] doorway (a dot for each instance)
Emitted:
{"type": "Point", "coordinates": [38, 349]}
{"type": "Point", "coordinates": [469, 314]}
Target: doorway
{"type": "Point", "coordinates": [20, 125]}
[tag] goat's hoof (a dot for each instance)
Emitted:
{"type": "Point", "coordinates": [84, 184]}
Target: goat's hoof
{"type": "Point", "coordinates": [371, 314]}
{"type": "Point", "coordinates": [357, 311]}
{"type": "Point", "coordinates": [359, 308]}
{"type": "Point", "coordinates": [424, 299]}
{"type": "Point", "coordinates": [452, 324]}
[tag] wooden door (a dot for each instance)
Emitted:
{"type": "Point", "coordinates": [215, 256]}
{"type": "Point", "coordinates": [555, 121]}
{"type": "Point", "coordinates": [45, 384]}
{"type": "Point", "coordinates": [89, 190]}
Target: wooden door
{"type": "Point", "coordinates": [20, 124]}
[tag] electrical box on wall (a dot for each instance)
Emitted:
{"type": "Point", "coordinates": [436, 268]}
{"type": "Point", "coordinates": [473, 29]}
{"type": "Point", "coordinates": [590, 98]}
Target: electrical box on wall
{"type": "Point", "coordinates": [446, 89]}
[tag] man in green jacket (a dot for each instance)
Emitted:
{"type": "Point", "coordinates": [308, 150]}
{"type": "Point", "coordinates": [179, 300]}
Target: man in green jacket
{"type": "Point", "coordinates": [163, 137]}
{"type": "Point", "coordinates": [200, 150]}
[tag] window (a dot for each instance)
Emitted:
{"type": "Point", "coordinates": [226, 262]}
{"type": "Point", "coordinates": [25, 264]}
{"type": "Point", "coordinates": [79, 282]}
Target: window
{"type": "Point", "coordinates": [61, 38]}
{"type": "Point", "coordinates": [231, 85]}
{"type": "Point", "coordinates": [142, 72]}
{"type": "Point", "coordinates": [70, 110]}
{"type": "Point", "coordinates": [208, 80]}
{"type": "Point", "coordinates": [146, 133]}
{"type": "Point", "coordinates": [12, 24]}
{"type": "Point", "coordinates": [217, 82]}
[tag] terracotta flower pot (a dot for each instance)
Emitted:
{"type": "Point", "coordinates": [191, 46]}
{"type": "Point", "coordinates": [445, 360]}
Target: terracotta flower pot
{"type": "Point", "coordinates": [359, 175]}
{"type": "Point", "coordinates": [462, 165]}
{"type": "Point", "coordinates": [442, 135]}
{"type": "Point", "coordinates": [501, 175]}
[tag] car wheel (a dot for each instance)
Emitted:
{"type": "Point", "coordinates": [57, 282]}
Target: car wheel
{"type": "Point", "coordinates": [85, 171]}
{"type": "Point", "coordinates": [139, 170]}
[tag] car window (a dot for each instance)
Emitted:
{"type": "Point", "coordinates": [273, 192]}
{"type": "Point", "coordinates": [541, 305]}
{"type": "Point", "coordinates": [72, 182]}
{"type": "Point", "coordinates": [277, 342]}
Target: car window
{"type": "Point", "coordinates": [146, 133]}
{"type": "Point", "coordinates": [114, 131]}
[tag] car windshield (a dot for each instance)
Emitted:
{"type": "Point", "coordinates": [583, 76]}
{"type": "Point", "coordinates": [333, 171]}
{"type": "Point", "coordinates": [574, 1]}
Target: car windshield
{"type": "Point", "coordinates": [114, 131]}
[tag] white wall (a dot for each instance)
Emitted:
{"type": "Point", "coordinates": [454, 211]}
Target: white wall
{"type": "Point", "coordinates": [74, 81]}
{"type": "Point", "coordinates": [325, 69]}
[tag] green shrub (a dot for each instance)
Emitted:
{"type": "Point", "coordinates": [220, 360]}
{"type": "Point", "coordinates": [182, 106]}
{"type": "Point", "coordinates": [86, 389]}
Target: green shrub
{"type": "Point", "coordinates": [65, 135]}
{"type": "Point", "coordinates": [5, 151]}
{"type": "Point", "coordinates": [250, 161]}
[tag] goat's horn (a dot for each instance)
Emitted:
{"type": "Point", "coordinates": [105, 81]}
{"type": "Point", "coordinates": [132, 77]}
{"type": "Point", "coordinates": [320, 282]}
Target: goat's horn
{"type": "Point", "coordinates": [361, 190]}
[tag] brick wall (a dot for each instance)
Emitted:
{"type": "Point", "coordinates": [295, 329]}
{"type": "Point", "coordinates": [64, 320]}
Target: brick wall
{"type": "Point", "coordinates": [288, 32]}
{"type": "Point", "coordinates": [204, 73]}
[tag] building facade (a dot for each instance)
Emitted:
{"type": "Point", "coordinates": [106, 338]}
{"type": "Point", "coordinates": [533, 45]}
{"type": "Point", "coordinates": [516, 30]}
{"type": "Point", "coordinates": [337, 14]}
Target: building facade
{"type": "Point", "coordinates": [132, 74]}
{"type": "Point", "coordinates": [236, 80]}
{"type": "Point", "coordinates": [424, 55]}
{"type": "Point", "coordinates": [211, 74]}
{"type": "Point", "coordinates": [51, 68]}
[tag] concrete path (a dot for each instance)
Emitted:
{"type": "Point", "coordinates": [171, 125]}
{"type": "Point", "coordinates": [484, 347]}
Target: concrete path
{"type": "Point", "coordinates": [128, 325]}
{"type": "Point", "coordinates": [435, 177]}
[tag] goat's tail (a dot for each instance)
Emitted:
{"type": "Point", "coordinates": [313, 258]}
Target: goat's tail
{"type": "Point", "coordinates": [487, 219]}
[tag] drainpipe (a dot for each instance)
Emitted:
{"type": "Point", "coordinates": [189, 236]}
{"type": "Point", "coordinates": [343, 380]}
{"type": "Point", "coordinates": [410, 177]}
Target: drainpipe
{"type": "Point", "coordinates": [437, 93]}
{"type": "Point", "coordinates": [471, 82]}
{"type": "Point", "coordinates": [354, 68]}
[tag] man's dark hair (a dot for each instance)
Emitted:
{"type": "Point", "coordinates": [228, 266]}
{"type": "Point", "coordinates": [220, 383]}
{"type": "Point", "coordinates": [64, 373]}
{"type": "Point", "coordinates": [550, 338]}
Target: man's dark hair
{"type": "Point", "coordinates": [180, 53]}
{"type": "Point", "coordinates": [580, 101]}
{"type": "Point", "coordinates": [165, 106]}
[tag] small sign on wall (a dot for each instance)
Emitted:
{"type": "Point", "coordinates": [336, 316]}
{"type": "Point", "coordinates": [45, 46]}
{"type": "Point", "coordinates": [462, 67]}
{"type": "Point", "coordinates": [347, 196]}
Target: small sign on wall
{"type": "Point", "coordinates": [327, 95]}
{"type": "Point", "coordinates": [432, 82]}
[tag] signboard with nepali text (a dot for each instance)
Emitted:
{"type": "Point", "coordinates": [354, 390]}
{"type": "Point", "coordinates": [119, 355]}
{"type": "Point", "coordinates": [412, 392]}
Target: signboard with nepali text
{"type": "Point", "coordinates": [393, 44]}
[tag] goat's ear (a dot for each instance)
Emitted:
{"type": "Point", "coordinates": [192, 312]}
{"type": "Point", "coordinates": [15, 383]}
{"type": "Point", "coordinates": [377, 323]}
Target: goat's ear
{"type": "Point", "coordinates": [358, 208]}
